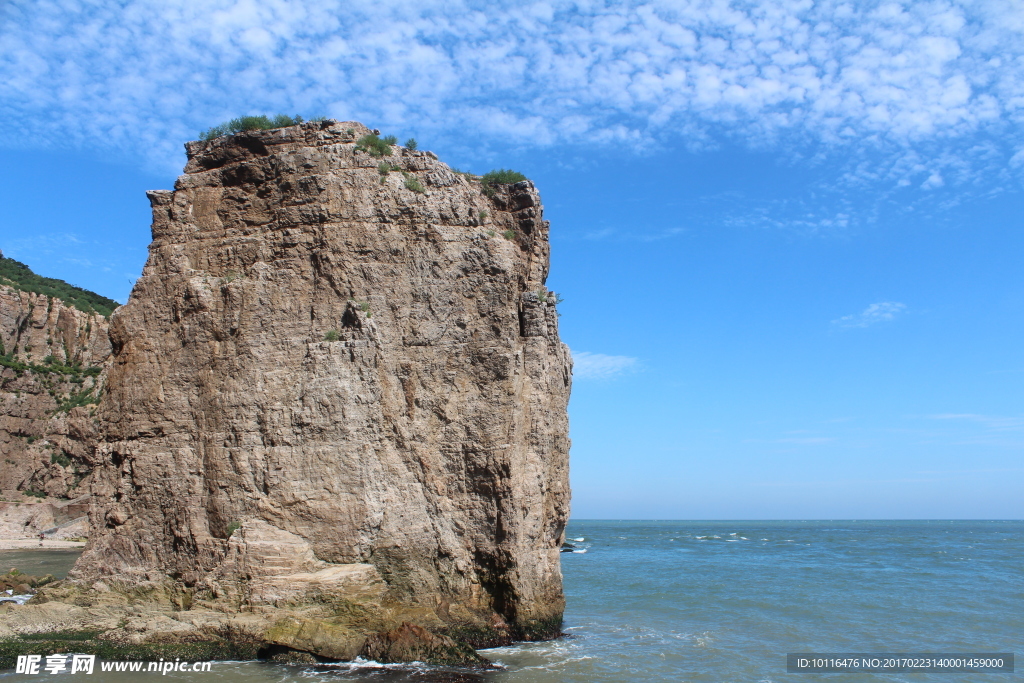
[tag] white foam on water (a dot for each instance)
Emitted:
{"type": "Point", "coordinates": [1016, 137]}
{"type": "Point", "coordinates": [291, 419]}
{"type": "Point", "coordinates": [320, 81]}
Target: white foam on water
{"type": "Point", "coordinates": [17, 599]}
{"type": "Point", "coordinates": [704, 639]}
{"type": "Point", "coordinates": [359, 663]}
{"type": "Point", "coordinates": [579, 552]}
{"type": "Point", "coordinates": [361, 668]}
{"type": "Point", "coordinates": [551, 666]}
{"type": "Point", "coordinates": [355, 665]}
{"type": "Point", "coordinates": [578, 540]}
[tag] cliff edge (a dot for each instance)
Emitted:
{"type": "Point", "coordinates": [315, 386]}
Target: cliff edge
{"type": "Point", "coordinates": [335, 415]}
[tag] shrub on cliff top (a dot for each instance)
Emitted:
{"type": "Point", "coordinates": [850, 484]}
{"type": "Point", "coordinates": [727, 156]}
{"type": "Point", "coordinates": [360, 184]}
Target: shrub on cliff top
{"type": "Point", "coordinates": [502, 176]}
{"type": "Point", "coordinates": [243, 123]}
{"type": "Point", "coordinates": [376, 146]}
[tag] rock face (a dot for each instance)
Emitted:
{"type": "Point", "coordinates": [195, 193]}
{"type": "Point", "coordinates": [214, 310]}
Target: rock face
{"type": "Point", "coordinates": [339, 381]}
{"type": "Point", "coordinates": [54, 360]}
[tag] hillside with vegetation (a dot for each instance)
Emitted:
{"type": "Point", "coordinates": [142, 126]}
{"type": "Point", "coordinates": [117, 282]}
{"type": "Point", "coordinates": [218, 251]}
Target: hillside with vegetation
{"type": "Point", "coordinates": [16, 274]}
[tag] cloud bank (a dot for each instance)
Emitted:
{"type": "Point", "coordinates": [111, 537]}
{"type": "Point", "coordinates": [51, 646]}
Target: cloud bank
{"type": "Point", "coordinates": [912, 78]}
{"type": "Point", "coordinates": [588, 365]}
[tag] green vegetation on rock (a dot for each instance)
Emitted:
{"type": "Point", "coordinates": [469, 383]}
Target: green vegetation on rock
{"type": "Point", "coordinates": [501, 176]}
{"type": "Point", "coordinates": [413, 183]}
{"type": "Point", "coordinates": [77, 400]}
{"type": "Point", "coordinates": [376, 146]}
{"type": "Point", "coordinates": [244, 123]}
{"type": "Point", "coordinates": [18, 275]}
{"type": "Point", "coordinates": [49, 367]}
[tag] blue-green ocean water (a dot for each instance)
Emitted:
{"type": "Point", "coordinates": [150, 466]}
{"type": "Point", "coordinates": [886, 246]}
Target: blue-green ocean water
{"type": "Point", "coordinates": [725, 601]}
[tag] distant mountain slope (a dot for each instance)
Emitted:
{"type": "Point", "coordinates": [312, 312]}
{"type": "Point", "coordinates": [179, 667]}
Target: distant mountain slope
{"type": "Point", "coordinates": [18, 275]}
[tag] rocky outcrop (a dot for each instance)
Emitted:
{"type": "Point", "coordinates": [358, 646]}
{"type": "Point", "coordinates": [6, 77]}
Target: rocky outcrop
{"type": "Point", "coordinates": [336, 408]}
{"type": "Point", "coordinates": [52, 366]}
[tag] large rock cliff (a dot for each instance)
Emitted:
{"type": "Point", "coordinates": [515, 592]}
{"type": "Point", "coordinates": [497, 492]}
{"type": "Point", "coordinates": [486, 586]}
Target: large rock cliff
{"type": "Point", "coordinates": [338, 382]}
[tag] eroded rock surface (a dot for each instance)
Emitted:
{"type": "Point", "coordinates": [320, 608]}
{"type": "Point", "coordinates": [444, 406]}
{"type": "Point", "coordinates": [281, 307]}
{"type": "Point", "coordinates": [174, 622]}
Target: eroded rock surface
{"type": "Point", "coordinates": [336, 412]}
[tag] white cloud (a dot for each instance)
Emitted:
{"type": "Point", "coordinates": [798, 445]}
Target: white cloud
{"type": "Point", "coordinates": [141, 76]}
{"type": "Point", "coordinates": [588, 365]}
{"type": "Point", "coordinates": [884, 311]}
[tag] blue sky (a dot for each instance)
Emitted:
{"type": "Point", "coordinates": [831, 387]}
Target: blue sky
{"type": "Point", "coordinates": [789, 234]}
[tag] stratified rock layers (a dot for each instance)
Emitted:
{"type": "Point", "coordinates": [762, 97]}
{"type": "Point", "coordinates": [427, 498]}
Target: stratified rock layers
{"type": "Point", "coordinates": [323, 375]}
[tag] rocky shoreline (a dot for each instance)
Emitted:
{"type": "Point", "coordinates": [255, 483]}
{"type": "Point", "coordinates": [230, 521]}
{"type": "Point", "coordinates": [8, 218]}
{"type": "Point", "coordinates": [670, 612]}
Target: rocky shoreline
{"type": "Point", "coordinates": [147, 622]}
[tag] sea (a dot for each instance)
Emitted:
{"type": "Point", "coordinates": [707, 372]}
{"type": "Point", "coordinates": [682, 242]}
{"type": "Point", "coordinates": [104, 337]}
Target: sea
{"type": "Point", "coordinates": [726, 601]}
